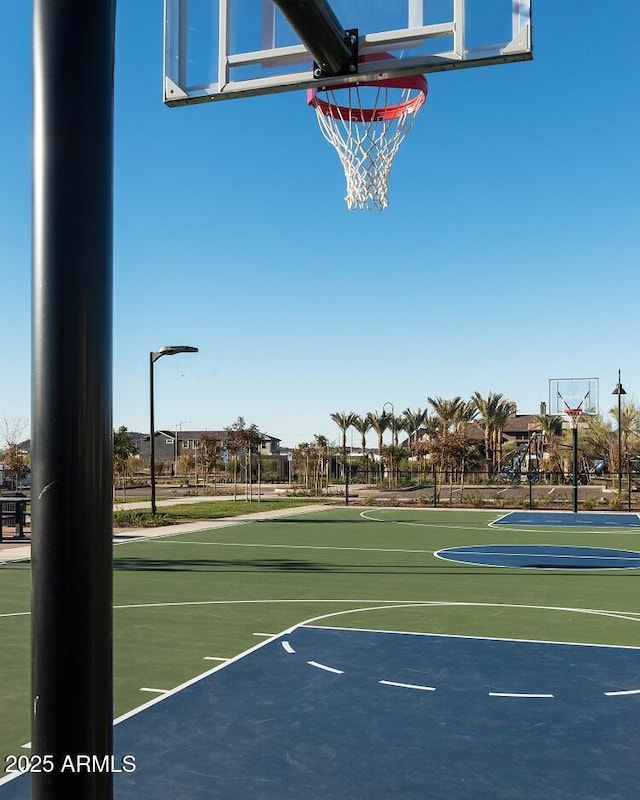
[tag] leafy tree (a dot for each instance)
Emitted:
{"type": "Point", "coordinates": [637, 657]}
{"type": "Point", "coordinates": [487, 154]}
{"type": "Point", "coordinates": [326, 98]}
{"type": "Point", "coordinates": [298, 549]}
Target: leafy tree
{"type": "Point", "coordinates": [208, 456]}
{"type": "Point", "coordinates": [123, 449]}
{"type": "Point", "coordinates": [302, 460]}
{"type": "Point", "coordinates": [321, 452]}
{"type": "Point", "coordinates": [16, 462]}
{"type": "Point", "coordinates": [244, 439]}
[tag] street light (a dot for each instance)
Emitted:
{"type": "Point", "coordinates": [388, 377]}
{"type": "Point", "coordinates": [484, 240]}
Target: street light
{"type": "Point", "coordinates": [167, 350]}
{"type": "Point", "coordinates": [619, 391]}
{"type": "Point", "coordinates": [393, 422]}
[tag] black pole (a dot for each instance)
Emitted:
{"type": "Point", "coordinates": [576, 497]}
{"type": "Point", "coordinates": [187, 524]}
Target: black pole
{"type": "Point", "coordinates": [529, 471]}
{"type": "Point", "coordinates": [619, 387]}
{"type": "Point", "coordinates": [72, 436]}
{"type": "Point", "coordinates": [152, 437]}
{"type": "Point", "coordinates": [575, 466]}
{"type": "Point", "coordinates": [346, 476]}
{"type": "Point", "coordinates": [321, 33]}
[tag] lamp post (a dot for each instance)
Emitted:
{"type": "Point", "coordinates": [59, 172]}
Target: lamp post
{"type": "Point", "coordinates": [167, 350]}
{"type": "Point", "coordinates": [392, 436]}
{"type": "Point", "coordinates": [619, 391]}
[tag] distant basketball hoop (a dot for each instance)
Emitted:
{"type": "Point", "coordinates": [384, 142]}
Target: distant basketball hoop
{"type": "Point", "coordinates": [574, 415]}
{"type": "Point", "coordinates": [366, 123]}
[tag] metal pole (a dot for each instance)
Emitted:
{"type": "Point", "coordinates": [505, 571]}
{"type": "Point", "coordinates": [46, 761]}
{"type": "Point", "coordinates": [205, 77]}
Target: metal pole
{"type": "Point", "coordinates": [166, 350]}
{"type": "Point", "coordinates": [619, 391]}
{"type": "Point", "coordinates": [619, 436]}
{"type": "Point", "coordinates": [346, 475]}
{"type": "Point", "coordinates": [321, 33]}
{"type": "Point", "coordinates": [152, 436]}
{"type": "Point", "coordinates": [72, 434]}
{"type": "Point", "coordinates": [575, 466]}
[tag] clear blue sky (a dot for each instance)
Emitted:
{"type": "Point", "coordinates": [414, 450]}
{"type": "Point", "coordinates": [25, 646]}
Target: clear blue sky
{"type": "Point", "coordinates": [508, 254]}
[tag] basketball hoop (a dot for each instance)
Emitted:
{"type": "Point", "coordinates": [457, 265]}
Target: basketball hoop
{"type": "Point", "coordinates": [574, 415]}
{"type": "Point", "coordinates": [366, 123]}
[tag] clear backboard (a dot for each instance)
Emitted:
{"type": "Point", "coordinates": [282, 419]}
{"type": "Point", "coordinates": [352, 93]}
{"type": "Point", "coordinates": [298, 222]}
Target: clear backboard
{"type": "Point", "coordinates": [221, 49]}
{"type": "Point", "coordinates": [573, 393]}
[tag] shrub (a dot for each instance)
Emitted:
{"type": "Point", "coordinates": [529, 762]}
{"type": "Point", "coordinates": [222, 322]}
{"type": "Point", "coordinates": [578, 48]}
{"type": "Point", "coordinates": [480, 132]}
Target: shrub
{"type": "Point", "coordinates": [475, 500]}
{"type": "Point", "coordinates": [139, 519]}
{"type": "Point", "coordinates": [617, 502]}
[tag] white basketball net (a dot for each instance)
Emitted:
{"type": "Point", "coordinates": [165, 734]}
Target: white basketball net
{"type": "Point", "coordinates": [574, 417]}
{"type": "Point", "coordinates": [367, 147]}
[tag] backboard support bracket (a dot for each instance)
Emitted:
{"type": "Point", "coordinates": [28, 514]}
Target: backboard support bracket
{"type": "Point", "coordinates": [320, 71]}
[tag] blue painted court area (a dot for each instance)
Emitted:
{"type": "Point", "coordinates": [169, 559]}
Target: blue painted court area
{"type": "Point", "coordinates": [542, 556]}
{"type": "Point", "coordinates": [334, 714]}
{"type": "Point", "coordinates": [583, 519]}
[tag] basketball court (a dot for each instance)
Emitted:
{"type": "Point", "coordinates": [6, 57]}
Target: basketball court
{"type": "Point", "coordinates": [340, 655]}
{"type": "Point", "coordinates": [323, 712]}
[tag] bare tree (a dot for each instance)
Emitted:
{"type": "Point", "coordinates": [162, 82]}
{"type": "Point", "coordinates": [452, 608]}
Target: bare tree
{"type": "Point", "coordinates": [14, 458]}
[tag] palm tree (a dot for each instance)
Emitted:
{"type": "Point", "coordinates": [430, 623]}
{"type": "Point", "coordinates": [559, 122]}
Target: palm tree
{"type": "Point", "coordinates": [379, 423]}
{"type": "Point", "coordinates": [412, 421]}
{"type": "Point", "coordinates": [551, 434]}
{"type": "Point", "coordinates": [344, 421]}
{"type": "Point", "coordinates": [492, 410]}
{"type": "Point", "coordinates": [322, 463]}
{"type": "Point", "coordinates": [505, 411]}
{"type": "Point", "coordinates": [363, 425]}
{"type": "Point", "coordinates": [452, 413]}
{"type": "Point", "coordinates": [452, 416]}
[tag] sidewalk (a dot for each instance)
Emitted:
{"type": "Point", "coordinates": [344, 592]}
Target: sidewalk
{"type": "Point", "coordinates": [20, 550]}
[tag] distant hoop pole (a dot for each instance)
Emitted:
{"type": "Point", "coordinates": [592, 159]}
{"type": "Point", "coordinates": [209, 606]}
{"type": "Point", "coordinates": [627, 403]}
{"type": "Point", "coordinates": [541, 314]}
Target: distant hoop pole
{"type": "Point", "coordinates": [574, 417]}
{"type": "Point", "coordinates": [333, 48]}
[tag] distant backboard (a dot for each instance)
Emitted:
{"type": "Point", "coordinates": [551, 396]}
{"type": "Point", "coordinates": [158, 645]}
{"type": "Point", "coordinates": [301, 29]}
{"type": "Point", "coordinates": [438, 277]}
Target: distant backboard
{"type": "Point", "coordinates": [221, 49]}
{"type": "Point", "coordinates": [579, 393]}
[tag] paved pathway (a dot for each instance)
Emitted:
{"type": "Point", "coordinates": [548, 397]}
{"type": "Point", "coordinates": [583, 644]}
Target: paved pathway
{"type": "Point", "coordinates": [21, 550]}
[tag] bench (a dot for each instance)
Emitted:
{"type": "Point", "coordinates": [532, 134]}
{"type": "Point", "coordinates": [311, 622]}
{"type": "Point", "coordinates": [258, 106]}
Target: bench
{"type": "Point", "coordinates": [14, 514]}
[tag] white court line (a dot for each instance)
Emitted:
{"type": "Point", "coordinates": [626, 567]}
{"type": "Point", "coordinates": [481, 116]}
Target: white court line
{"type": "Point", "coordinates": [215, 658]}
{"type": "Point", "coordinates": [325, 667]}
{"type": "Point", "coordinates": [541, 530]}
{"type": "Point", "coordinates": [286, 646]}
{"type": "Point", "coordinates": [462, 551]}
{"type": "Point", "coordinates": [303, 547]}
{"type": "Point", "coordinates": [264, 634]}
{"type": "Point", "coordinates": [156, 691]}
{"type": "Point", "coordinates": [517, 694]}
{"type": "Point", "coordinates": [409, 686]}
{"type": "Point", "coordinates": [618, 694]}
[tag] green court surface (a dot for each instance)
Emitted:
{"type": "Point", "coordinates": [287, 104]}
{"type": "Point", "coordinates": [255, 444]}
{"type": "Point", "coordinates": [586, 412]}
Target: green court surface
{"type": "Point", "coordinates": [185, 603]}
